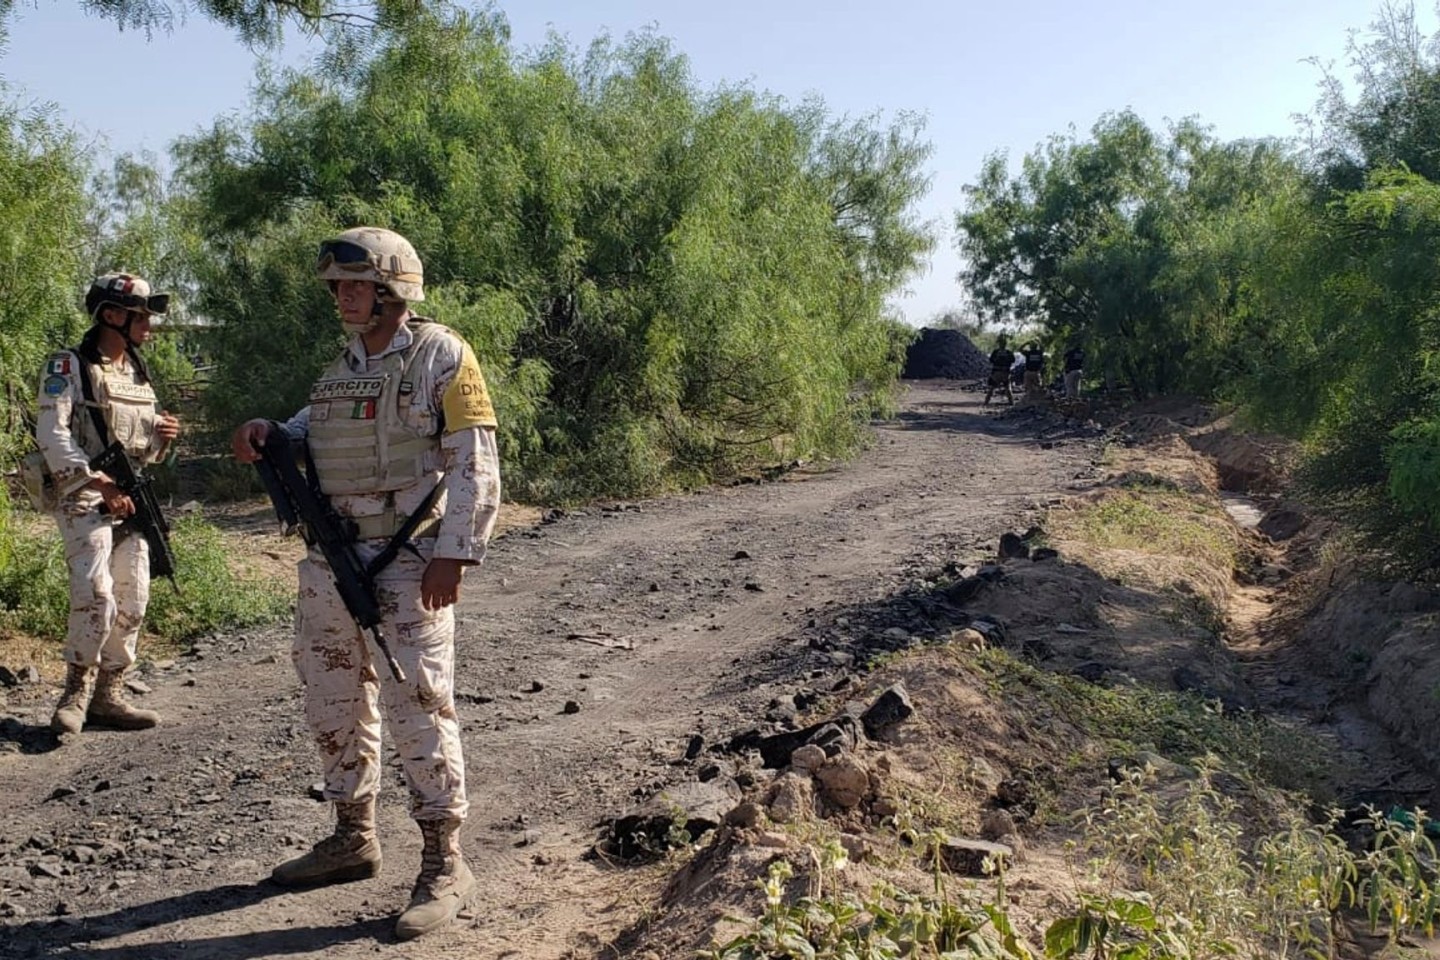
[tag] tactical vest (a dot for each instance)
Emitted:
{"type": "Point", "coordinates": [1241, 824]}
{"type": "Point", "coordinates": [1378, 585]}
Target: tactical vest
{"type": "Point", "coordinates": [359, 437]}
{"type": "Point", "coordinates": [127, 407]}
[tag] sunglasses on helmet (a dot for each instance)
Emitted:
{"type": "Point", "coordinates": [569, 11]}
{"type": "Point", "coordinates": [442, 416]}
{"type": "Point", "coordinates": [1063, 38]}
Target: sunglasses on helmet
{"type": "Point", "coordinates": [156, 303]}
{"type": "Point", "coordinates": [344, 254]}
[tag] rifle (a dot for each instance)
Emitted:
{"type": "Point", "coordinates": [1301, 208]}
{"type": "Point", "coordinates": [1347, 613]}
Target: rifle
{"type": "Point", "coordinates": [300, 505]}
{"type": "Point", "coordinates": [147, 520]}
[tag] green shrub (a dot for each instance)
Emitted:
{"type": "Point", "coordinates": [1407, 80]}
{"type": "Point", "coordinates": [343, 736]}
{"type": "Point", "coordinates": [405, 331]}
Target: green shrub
{"type": "Point", "coordinates": [212, 596]}
{"type": "Point", "coordinates": [34, 587]}
{"type": "Point", "coordinates": [665, 285]}
{"type": "Point", "coordinates": [34, 597]}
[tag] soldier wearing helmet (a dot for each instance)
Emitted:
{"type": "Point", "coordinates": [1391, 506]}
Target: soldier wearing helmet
{"type": "Point", "coordinates": [90, 396]}
{"type": "Point", "coordinates": [402, 413]}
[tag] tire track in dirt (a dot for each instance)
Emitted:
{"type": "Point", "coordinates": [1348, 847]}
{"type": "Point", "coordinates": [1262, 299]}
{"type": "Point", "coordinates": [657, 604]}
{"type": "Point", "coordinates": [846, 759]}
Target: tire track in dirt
{"type": "Point", "coordinates": [940, 483]}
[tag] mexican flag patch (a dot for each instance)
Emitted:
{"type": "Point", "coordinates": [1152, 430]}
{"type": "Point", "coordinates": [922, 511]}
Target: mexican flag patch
{"type": "Point", "coordinates": [363, 410]}
{"type": "Point", "coordinates": [59, 366]}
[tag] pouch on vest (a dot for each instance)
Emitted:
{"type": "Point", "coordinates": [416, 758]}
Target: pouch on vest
{"type": "Point", "coordinates": [39, 484]}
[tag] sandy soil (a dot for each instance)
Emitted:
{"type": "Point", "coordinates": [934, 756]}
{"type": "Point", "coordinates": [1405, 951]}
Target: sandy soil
{"type": "Point", "coordinates": [658, 620]}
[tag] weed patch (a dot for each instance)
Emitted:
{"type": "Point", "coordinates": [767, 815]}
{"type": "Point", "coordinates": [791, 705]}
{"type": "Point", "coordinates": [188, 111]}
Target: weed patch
{"type": "Point", "coordinates": [1156, 873]}
{"type": "Point", "coordinates": [1153, 519]}
{"type": "Point", "coordinates": [1180, 726]}
{"type": "Point", "coordinates": [34, 588]}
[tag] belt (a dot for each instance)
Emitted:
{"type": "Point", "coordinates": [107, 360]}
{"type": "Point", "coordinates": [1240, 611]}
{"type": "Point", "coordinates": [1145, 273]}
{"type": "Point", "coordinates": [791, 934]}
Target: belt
{"type": "Point", "coordinates": [383, 526]}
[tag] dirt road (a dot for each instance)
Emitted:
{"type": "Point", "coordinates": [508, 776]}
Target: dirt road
{"type": "Point", "coordinates": [592, 650]}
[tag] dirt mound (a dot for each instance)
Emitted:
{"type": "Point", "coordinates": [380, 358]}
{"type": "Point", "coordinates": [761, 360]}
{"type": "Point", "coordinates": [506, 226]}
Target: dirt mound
{"type": "Point", "coordinates": [1167, 460]}
{"type": "Point", "coordinates": [1247, 462]}
{"type": "Point", "coordinates": [944, 353]}
{"type": "Point", "coordinates": [1151, 426]}
{"type": "Point", "coordinates": [1186, 411]}
{"type": "Point", "coordinates": [1378, 640]}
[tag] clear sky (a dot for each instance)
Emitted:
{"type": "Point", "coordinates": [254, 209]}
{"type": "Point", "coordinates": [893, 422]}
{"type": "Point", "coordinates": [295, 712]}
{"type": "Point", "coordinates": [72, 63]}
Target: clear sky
{"type": "Point", "coordinates": [988, 76]}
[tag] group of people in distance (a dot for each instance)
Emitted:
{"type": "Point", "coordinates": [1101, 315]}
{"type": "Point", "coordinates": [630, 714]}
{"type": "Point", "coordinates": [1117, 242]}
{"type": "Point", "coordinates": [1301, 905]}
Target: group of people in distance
{"type": "Point", "coordinates": [1004, 363]}
{"type": "Point", "coordinates": [400, 423]}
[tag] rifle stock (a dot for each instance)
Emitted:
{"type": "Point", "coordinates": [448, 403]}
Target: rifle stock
{"type": "Point", "coordinates": [148, 518]}
{"type": "Point", "coordinates": [299, 506]}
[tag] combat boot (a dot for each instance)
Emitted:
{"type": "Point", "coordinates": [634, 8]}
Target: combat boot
{"type": "Point", "coordinates": [109, 707]}
{"type": "Point", "coordinates": [352, 852]}
{"type": "Point", "coordinates": [70, 712]}
{"type": "Point", "coordinates": [444, 885]}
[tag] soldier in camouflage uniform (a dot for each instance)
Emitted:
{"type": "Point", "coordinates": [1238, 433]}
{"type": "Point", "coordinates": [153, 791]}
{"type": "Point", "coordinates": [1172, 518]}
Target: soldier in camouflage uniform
{"type": "Point", "coordinates": [90, 396]}
{"type": "Point", "coordinates": [402, 411]}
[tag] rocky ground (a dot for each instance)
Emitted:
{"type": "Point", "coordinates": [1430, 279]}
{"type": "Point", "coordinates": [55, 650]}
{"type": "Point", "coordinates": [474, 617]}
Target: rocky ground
{"type": "Point", "coordinates": [627, 661]}
{"type": "Point", "coordinates": [604, 655]}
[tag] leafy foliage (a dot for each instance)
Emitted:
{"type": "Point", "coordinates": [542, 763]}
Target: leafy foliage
{"type": "Point", "coordinates": [886, 925]}
{"type": "Point", "coordinates": [213, 596]}
{"type": "Point", "coordinates": [34, 595]}
{"type": "Point", "coordinates": [1348, 280]}
{"type": "Point", "coordinates": [1123, 243]}
{"type": "Point", "coordinates": [43, 264]}
{"type": "Point", "coordinates": [256, 22]}
{"type": "Point", "coordinates": [664, 284]}
{"type": "Point", "coordinates": [1300, 283]}
{"type": "Point", "coordinates": [1162, 874]}
{"type": "Point", "coordinates": [34, 585]}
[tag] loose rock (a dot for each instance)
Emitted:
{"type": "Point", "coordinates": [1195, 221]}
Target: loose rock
{"type": "Point", "coordinates": [892, 707]}
{"type": "Point", "coordinates": [1013, 547]}
{"type": "Point", "coordinates": [971, 858]}
{"type": "Point", "coordinates": [790, 798]}
{"type": "Point", "coordinates": [844, 781]}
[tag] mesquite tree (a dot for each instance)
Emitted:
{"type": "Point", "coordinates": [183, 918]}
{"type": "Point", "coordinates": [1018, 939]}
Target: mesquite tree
{"type": "Point", "coordinates": [665, 283]}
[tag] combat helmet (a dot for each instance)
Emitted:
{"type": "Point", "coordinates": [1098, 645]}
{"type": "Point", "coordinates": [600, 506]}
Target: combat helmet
{"type": "Point", "coordinates": [376, 254]}
{"type": "Point", "coordinates": [126, 291]}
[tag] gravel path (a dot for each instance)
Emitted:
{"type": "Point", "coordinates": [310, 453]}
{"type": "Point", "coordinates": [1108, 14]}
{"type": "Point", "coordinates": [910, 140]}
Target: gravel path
{"type": "Point", "coordinates": [593, 650]}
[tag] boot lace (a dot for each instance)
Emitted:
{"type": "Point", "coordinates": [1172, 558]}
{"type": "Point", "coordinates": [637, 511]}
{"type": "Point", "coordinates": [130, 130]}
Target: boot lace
{"type": "Point", "coordinates": [437, 865]}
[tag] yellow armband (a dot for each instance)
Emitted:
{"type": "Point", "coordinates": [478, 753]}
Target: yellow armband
{"type": "Point", "coordinates": [467, 401]}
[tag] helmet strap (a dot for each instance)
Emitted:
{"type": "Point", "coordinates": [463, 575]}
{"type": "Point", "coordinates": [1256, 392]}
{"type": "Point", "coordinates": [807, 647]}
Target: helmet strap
{"type": "Point", "coordinates": [124, 328]}
{"type": "Point", "coordinates": [383, 295]}
{"type": "Point", "coordinates": [132, 349]}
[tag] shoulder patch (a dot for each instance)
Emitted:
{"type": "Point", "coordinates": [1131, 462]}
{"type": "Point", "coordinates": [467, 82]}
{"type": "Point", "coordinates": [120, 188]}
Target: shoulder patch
{"type": "Point", "coordinates": [467, 400]}
{"type": "Point", "coordinates": [54, 385]}
{"type": "Point", "coordinates": [59, 365]}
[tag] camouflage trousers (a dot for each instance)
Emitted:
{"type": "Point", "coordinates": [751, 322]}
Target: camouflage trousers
{"type": "Point", "coordinates": [345, 680]}
{"type": "Point", "coordinates": [109, 589]}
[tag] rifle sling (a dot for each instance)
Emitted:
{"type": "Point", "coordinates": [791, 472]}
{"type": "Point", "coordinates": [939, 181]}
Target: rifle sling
{"type": "Point", "coordinates": [401, 539]}
{"type": "Point", "coordinates": [87, 389]}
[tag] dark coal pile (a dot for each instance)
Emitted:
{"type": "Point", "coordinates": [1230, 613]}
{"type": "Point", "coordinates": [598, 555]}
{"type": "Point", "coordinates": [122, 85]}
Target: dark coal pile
{"type": "Point", "coordinates": [944, 353]}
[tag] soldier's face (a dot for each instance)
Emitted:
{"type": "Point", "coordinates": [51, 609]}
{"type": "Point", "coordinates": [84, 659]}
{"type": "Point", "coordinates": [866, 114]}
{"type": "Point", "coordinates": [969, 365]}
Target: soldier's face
{"type": "Point", "coordinates": [140, 328]}
{"type": "Point", "coordinates": [116, 318]}
{"type": "Point", "coordinates": [355, 299]}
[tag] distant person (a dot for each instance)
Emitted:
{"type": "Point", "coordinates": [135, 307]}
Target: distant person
{"type": "Point", "coordinates": [1074, 371]}
{"type": "Point", "coordinates": [1002, 358]}
{"type": "Point", "coordinates": [1034, 370]}
{"type": "Point", "coordinates": [92, 395]}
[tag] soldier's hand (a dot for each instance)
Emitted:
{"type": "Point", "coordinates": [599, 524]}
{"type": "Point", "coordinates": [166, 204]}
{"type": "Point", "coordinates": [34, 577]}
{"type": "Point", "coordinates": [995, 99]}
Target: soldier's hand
{"type": "Point", "coordinates": [114, 500]}
{"type": "Point", "coordinates": [440, 585]}
{"type": "Point", "coordinates": [168, 426]}
{"type": "Point", "coordinates": [248, 438]}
